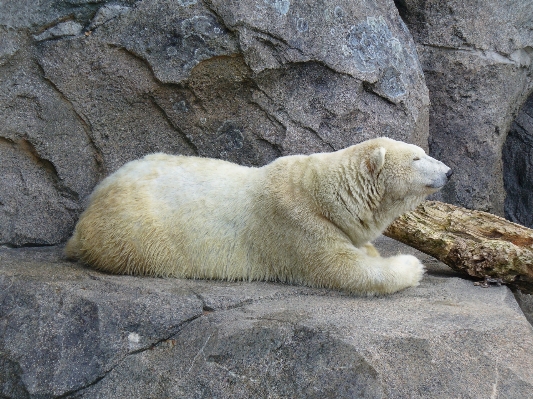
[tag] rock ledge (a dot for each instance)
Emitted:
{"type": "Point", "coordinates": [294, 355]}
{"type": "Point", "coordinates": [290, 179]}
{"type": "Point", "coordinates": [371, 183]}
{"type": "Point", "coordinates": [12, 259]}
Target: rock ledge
{"type": "Point", "coordinates": [68, 331]}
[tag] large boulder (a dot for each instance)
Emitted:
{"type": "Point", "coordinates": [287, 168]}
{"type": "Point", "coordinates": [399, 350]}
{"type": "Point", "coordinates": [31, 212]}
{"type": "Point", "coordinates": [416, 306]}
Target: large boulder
{"type": "Point", "coordinates": [87, 86]}
{"type": "Point", "coordinates": [478, 61]}
{"type": "Point", "coordinates": [518, 167]}
{"type": "Point", "coordinates": [71, 332]}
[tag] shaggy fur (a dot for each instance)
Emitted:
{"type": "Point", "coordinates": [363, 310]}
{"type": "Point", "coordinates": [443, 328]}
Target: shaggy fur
{"type": "Point", "coordinates": [300, 219]}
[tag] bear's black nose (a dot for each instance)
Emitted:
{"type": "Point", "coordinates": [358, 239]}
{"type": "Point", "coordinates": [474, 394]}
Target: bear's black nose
{"type": "Point", "coordinates": [449, 173]}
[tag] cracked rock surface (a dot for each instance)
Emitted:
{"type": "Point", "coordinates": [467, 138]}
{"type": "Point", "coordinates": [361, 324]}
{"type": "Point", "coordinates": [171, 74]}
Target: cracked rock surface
{"type": "Point", "coordinates": [477, 59]}
{"type": "Point", "coordinates": [86, 86]}
{"type": "Point", "coordinates": [518, 167]}
{"type": "Point", "coordinates": [68, 331]}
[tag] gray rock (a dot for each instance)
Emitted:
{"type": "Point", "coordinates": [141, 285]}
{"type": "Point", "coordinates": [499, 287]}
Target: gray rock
{"type": "Point", "coordinates": [518, 167]}
{"type": "Point", "coordinates": [172, 38]}
{"type": "Point", "coordinates": [107, 13]}
{"type": "Point", "coordinates": [48, 164]}
{"type": "Point", "coordinates": [69, 28]}
{"type": "Point", "coordinates": [38, 16]}
{"type": "Point", "coordinates": [86, 325]}
{"type": "Point", "coordinates": [477, 60]}
{"type": "Point", "coordinates": [88, 86]}
{"type": "Point", "coordinates": [526, 304]}
{"type": "Point", "coordinates": [68, 331]}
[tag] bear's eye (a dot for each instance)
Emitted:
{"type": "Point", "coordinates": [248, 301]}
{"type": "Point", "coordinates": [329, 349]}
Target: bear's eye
{"type": "Point", "coordinates": [416, 159]}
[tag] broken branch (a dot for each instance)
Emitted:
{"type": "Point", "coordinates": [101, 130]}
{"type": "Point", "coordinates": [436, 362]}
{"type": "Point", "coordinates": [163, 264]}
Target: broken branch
{"type": "Point", "coordinates": [473, 242]}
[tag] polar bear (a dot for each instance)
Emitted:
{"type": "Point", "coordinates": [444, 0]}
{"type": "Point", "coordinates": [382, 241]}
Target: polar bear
{"type": "Point", "coordinates": [302, 219]}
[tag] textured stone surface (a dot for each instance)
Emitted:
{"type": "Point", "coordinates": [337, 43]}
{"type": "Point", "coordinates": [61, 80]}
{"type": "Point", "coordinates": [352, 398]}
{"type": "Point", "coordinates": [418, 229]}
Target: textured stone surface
{"type": "Point", "coordinates": [477, 60]}
{"type": "Point", "coordinates": [518, 167]}
{"type": "Point", "coordinates": [86, 86]}
{"type": "Point", "coordinates": [68, 331]}
{"type": "Point", "coordinates": [86, 323]}
{"type": "Point", "coordinates": [526, 304]}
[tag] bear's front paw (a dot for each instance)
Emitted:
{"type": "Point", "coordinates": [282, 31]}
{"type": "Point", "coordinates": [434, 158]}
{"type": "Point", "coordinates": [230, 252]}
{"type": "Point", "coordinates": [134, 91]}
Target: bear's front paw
{"type": "Point", "coordinates": [408, 269]}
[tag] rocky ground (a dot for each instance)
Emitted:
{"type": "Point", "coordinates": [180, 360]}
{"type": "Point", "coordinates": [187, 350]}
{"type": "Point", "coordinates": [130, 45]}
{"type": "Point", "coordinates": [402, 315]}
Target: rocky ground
{"type": "Point", "coordinates": [68, 331]}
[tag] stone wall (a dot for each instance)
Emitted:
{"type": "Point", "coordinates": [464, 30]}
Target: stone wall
{"type": "Point", "coordinates": [86, 86]}
{"type": "Point", "coordinates": [477, 60]}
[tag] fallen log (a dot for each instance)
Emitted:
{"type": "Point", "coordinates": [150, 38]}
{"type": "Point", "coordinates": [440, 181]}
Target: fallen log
{"type": "Point", "coordinates": [473, 242]}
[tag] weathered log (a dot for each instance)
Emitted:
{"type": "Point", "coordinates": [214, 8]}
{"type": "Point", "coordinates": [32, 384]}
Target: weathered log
{"type": "Point", "coordinates": [472, 242]}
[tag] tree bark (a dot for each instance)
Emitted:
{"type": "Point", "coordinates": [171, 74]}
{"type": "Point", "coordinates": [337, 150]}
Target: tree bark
{"type": "Point", "coordinates": [472, 242]}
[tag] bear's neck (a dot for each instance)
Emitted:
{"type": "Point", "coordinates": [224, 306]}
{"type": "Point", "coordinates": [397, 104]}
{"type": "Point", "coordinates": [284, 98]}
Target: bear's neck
{"type": "Point", "coordinates": [344, 196]}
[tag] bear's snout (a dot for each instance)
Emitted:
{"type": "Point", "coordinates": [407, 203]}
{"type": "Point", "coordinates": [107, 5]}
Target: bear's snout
{"type": "Point", "coordinates": [449, 174]}
{"type": "Point", "coordinates": [435, 173]}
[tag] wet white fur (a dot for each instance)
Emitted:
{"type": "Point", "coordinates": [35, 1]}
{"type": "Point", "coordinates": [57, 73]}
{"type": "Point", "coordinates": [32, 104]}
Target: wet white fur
{"type": "Point", "coordinates": [301, 219]}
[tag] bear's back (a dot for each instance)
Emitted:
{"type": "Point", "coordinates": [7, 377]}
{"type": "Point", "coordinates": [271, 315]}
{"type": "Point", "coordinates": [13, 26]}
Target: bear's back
{"type": "Point", "coordinates": [183, 214]}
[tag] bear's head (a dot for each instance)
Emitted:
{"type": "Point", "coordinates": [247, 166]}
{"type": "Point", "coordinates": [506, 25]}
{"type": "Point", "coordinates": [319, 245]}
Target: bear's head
{"type": "Point", "coordinates": [403, 172]}
{"type": "Point", "coordinates": [363, 188]}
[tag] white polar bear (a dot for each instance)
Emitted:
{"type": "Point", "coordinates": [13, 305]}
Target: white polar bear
{"type": "Point", "coordinates": [300, 219]}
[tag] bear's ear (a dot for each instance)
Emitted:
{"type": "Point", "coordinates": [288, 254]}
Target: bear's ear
{"type": "Point", "coordinates": [376, 160]}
